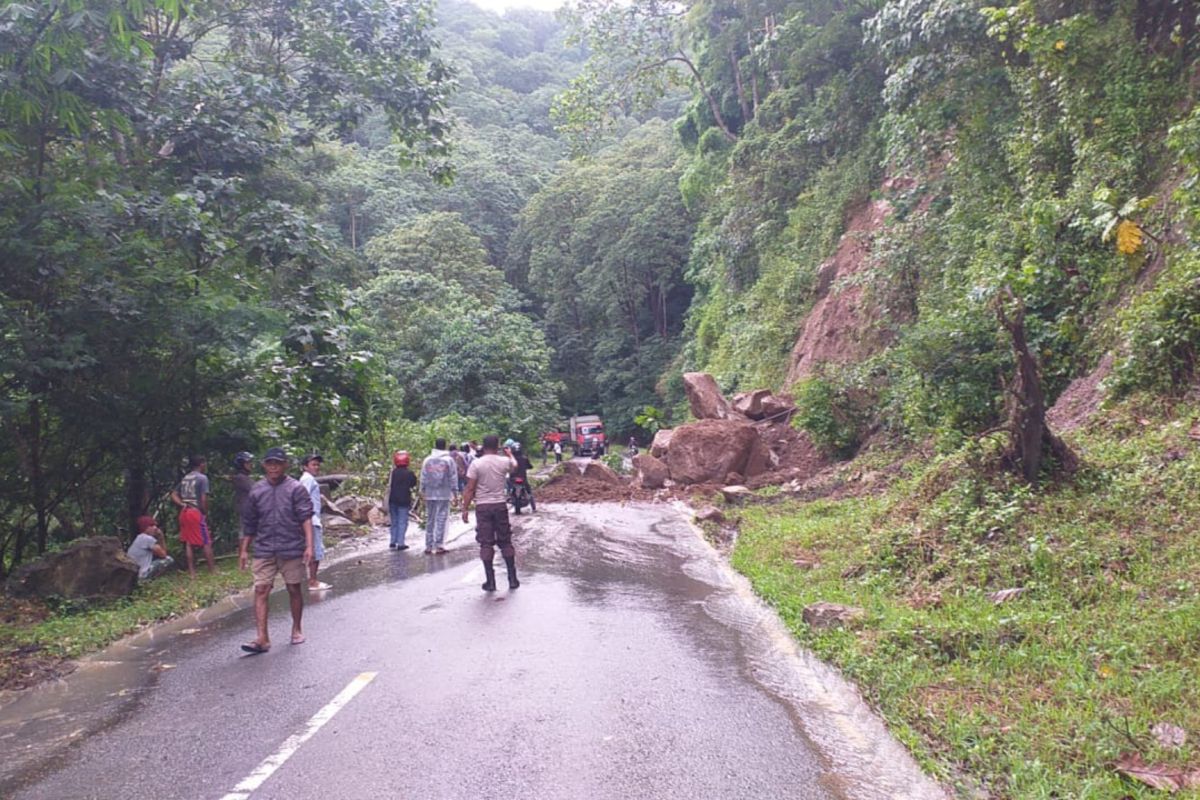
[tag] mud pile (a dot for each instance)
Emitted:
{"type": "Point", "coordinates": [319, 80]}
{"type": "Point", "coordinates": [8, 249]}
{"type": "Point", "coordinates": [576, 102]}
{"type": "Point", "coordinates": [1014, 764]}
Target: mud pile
{"type": "Point", "coordinates": [574, 487]}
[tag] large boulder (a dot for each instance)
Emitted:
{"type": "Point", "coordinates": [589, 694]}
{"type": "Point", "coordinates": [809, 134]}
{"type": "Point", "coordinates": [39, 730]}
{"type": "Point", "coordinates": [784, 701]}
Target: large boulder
{"type": "Point", "coordinates": [356, 509]}
{"type": "Point", "coordinates": [661, 443]}
{"type": "Point", "coordinates": [651, 472]}
{"type": "Point", "coordinates": [90, 568]}
{"type": "Point", "coordinates": [708, 450]}
{"type": "Point", "coordinates": [750, 404]}
{"type": "Point", "coordinates": [704, 396]}
{"type": "Point", "coordinates": [598, 471]}
{"type": "Point", "coordinates": [778, 407]}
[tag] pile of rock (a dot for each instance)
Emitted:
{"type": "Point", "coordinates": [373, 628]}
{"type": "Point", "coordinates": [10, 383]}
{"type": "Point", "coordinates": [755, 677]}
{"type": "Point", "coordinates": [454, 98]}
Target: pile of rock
{"type": "Point", "coordinates": [728, 444]}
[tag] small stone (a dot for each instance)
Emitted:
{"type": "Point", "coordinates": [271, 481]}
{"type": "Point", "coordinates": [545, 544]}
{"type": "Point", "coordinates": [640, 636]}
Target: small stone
{"type": "Point", "coordinates": [736, 494]}
{"type": "Point", "coordinates": [824, 616]}
{"type": "Point", "coordinates": [710, 514]}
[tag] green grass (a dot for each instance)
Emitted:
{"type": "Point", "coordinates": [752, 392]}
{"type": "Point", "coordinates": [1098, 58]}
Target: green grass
{"type": "Point", "coordinates": [1038, 696]}
{"type": "Point", "coordinates": [73, 630]}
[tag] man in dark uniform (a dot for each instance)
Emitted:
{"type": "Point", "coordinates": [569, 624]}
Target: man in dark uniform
{"type": "Point", "coordinates": [487, 480]}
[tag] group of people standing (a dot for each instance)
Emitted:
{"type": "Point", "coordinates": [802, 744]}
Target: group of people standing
{"type": "Point", "coordinates": [281, 528]}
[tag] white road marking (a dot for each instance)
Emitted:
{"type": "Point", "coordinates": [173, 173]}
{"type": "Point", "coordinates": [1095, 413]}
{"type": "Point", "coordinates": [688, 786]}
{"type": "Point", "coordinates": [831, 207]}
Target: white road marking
{"type": "Point", "coordinates": [276, 760]}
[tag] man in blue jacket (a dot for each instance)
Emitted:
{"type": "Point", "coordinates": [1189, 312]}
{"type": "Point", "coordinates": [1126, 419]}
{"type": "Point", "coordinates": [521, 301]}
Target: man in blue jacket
{"type": "Point", "coordinates": [278, 523]}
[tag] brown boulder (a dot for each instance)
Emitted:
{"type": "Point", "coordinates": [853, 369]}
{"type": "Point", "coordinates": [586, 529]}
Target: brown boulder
{"type": "Point", "coordinates": [778, 407]}
{"type": "Point", "coordinates": [758, 461]}
{"type": "Point", "coordinates": [831, 615]}
{"type": "Point", "coordinates": [704, 396]}
{"type": "Point", "coordinates": [356, 509]}
{"type": "Point", "coordinates": [751, 403]}
{"type": "Point", "coordinates": [661, 443]}
{"type": "Point", "coordinates": [377, 517]}
{"type": "Point", "coordinates": [598, 471]}
{"type": "Point", "coordinates": [89, 568]}
{"type": "Point", "coordinates": [710, 514]}
{"type": "Point", "coordinates": [707, 451]}
{"type": "Point", "coordinates": [651, 473]}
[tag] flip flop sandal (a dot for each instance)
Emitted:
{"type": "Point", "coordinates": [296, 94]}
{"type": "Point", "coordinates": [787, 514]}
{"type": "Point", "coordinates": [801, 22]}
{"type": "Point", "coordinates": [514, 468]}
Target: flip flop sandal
{"type": "Point", "coordinates": [255, 649]}
{"type": "Point", "coordinates": [301, 640]}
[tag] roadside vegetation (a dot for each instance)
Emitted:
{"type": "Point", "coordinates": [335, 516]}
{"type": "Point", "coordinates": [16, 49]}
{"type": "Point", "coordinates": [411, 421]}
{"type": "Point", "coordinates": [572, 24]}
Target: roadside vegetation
{"type": "Point", "coordinates": [1026, 643]}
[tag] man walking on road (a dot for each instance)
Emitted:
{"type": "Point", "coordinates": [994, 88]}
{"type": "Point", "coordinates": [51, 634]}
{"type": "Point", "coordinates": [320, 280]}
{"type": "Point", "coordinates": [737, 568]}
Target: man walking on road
{"type": "Point", "coordinates": [192, 498]}
{"type": "Point", "coordinates": [278, 523]}
{"type": "Point", "coordinates": [401, 482]}
{"type": "Point", "coordinates": [439, 482]}
{"type": "Point", "coordinates": [308, 479]}
{"type": "Point", "coordinates": [486, 484]}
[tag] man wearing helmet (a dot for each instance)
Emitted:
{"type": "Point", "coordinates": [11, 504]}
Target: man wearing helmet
{"type": "Point", "coordinates": [401, 483]}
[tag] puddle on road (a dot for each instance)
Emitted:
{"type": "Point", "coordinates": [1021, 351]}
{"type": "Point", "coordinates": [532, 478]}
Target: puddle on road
{"type": "Point", "coordinates": [655, 548]}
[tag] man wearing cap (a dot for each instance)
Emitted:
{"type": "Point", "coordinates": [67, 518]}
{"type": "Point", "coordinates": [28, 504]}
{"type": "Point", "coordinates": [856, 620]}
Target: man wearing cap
{"type": "Point", "coordinates": [308, 479]}
{"type": "Point", "coordinates": [149, 550]}
{"type": "Point", "coordinates": [486, 484]}
{"type": "Point", "coordinates": [278, 523]}
{"type": "Point", "coordinates": [401, 483]}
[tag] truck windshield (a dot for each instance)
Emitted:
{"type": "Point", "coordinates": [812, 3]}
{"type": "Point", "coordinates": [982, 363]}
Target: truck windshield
{"type": "Point", "coordinates": [586, 429]}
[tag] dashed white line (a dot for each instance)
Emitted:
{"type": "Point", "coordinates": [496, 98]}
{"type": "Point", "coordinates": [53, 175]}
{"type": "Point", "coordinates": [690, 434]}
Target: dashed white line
{"type": "Point", "coordinates": [276, 760]}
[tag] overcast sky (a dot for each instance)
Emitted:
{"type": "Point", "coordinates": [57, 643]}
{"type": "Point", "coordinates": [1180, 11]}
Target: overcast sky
{"type": "Point", "coordinates": [499, 6]}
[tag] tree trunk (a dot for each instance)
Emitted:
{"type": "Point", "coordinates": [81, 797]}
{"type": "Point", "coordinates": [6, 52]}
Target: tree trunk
{"type": "Point", "coordinates": [1029, 436]}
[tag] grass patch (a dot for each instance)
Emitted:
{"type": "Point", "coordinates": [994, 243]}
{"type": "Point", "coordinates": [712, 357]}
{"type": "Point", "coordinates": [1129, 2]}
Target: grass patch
{"type": "Point", "coordinates": [69, 630]}
{"type": "Point", "coordinates": [1035, 697]}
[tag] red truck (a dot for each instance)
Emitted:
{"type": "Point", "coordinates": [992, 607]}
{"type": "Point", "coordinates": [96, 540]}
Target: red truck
{"type": "Point", "coordinates": [587, 435]}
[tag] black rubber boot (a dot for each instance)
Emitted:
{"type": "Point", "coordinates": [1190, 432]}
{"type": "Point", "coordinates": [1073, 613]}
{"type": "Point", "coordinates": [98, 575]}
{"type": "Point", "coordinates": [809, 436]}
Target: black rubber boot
{"type": "Point", "coordinates": [511, 563]}
{"type": "Point", "coordinates": [490, 584]}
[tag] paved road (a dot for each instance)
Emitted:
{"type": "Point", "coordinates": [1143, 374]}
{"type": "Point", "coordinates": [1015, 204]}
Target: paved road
{"type": "Point", "coordinates": [631, 663]}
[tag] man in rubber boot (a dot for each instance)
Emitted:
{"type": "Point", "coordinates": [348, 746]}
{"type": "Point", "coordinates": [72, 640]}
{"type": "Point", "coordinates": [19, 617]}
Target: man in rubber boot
{"type": "Point", "coordinates": [278, 522]}
{"type": "Point", "coordinates": [487, 480]}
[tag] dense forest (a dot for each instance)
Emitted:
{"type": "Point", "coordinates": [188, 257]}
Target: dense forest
{"type": "Point", "coordinates": [353, 225]}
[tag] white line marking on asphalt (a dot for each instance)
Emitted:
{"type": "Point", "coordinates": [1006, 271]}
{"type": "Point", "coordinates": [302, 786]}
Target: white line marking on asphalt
{"type": "Point", "coordinates": [276, 760]}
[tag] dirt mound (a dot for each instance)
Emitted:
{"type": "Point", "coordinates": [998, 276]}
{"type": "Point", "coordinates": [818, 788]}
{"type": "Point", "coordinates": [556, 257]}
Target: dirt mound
{"type": "Point", "coordinates": [600, 472]}
{"type": "Point", "coordinates": [1080, 400]}
{"type": "Point", "coordinates": [574, 487]}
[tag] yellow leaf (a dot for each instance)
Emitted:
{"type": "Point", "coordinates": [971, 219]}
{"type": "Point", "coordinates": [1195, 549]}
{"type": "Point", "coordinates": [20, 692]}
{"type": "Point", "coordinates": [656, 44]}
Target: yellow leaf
{"type": "Point", "coordinates": [1129, 237]}
{"type": "Point", "coordinates": [1060, 45]}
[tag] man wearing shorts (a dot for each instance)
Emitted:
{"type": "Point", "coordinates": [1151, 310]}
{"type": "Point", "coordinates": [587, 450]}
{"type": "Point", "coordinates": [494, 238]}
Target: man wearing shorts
{"type": "Point", "coordinates": [278, 523]}
{"type": "Point", "coordinates": [192, 498]}
{"type": "Point", "coordinates": [308, 479]}
{"type": "Point", "coordinates": [487, 481]}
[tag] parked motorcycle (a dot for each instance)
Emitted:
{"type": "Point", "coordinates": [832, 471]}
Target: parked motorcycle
{"type": "Point", "coordinates": [520, 495]}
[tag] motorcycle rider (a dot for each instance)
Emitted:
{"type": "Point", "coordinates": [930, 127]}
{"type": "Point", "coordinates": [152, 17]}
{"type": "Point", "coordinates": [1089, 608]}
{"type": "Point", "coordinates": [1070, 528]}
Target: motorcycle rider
{"type": "Point", "coordinates": [521, 470]}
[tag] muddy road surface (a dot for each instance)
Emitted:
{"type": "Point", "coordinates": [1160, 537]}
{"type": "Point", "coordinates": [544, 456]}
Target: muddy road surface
{"type": "Point", "coordinates": [630, 663]}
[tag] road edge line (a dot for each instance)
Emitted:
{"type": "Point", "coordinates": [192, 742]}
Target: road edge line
{"type": "Point", "coordinates": [273, 762]}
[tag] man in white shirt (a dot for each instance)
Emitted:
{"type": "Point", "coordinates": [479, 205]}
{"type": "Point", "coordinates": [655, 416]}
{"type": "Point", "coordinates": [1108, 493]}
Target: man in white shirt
{"type": "Point", "coordinates": [308, 479]}
{"type": "Point", "coordinates": [487, 484]}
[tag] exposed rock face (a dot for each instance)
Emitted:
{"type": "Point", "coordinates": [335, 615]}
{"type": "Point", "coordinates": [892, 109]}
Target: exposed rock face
{"type": "Point", "coordinates": [597, 471]}
{"type": "Point", "coordinates": [831, 615]}
{"type": "Point", "coordinates": [90, 568]}
{"type": "Point", "coordinates": [356, 509]}
{"type": "Point", "coordinates": [651, 473]}
{"type": "Point", "coordinates": [661, 443]}
{"type": "Point", "coordinates": [838, 330]}
{"type": "Point", "coordinates": [704, 396]}
{"type": "Point", "coordinates": [707, 451]}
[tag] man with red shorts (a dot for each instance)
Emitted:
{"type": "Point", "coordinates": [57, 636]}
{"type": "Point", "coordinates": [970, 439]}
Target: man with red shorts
{"type": "Point", "coordinates": [487, 485]}
{"type": "Point", "coordinates": [192, 498]}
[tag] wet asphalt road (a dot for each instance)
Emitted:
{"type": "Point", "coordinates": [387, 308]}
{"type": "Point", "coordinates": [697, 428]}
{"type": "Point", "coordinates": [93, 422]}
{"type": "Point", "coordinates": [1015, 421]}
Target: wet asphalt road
{"type": "Point", "coordinates": [631, 663]}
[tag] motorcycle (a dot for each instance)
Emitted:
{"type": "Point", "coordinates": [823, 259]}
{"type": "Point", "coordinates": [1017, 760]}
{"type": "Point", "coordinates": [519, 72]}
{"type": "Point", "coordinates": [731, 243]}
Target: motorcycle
{"type": "Point", "coordinates": [520, 495]}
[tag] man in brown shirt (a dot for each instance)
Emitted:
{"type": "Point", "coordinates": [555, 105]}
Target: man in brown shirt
{"type": "Point", "coordinates": [487, 485]}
